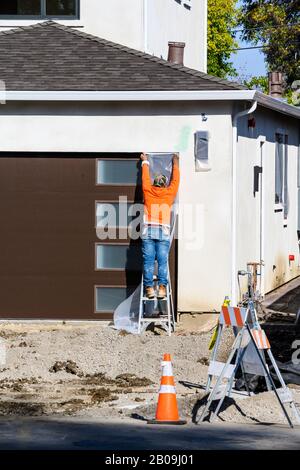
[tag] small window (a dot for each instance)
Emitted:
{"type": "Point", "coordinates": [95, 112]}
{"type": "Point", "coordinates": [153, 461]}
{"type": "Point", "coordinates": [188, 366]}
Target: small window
{"type": "Point", "coordinates": [125, 257]}
{"type": "Point", "coordinates": [60, 7]}
{"type": "Point", "coordinates": [281, 171]}
{"type": "Point", "coordinates": [113, 214]}
{"type": "Point", "coordinates": [20, 7]}
{"type": "Point", "coordinates": [118, 172]}
{"type": "Point", "coordinates": [107, 299]}
{"type": "Point", "coordinates": [39, 9]}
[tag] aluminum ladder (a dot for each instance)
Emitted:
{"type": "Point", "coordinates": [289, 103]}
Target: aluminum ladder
{"type": "Point", "coordinates": [163, 309]}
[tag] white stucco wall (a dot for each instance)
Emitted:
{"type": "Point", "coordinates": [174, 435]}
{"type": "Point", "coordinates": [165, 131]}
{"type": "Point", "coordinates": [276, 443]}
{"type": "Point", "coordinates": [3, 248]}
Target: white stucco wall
{"type": "Point", "coordinates": [279, 236]}
{"type": "Point", "coordinates": [146, 25]}
{"type": "Point", "coordinates": [203, 264]}
{"type": "Point", "coordinates": [170, 21]}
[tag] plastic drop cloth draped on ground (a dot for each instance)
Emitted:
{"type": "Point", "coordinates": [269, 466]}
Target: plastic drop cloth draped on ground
{"type": "Point", "coordinates": [127, 313]}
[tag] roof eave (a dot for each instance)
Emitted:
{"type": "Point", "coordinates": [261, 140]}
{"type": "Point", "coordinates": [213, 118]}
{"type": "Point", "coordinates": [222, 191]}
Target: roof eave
{"type": "Point", "coordinates": [153, 95]}
{"type": "Point", "coordinates": [159, 95]}
{"type": "Point", "coordinates": [277, 105]}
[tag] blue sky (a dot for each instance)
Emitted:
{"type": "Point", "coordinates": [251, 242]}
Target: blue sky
{"type": "Point", "coordinates": [248, 63]}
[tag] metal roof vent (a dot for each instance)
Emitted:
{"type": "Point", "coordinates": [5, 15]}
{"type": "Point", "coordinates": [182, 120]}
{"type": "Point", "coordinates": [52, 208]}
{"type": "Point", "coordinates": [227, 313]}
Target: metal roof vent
{"type": "Point", "coordinates": [176, 52]}
{"type": "Point", "coordinates": [276, 84]}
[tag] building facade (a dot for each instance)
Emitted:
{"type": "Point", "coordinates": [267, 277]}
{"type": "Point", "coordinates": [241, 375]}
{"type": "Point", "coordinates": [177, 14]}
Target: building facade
{"type": "Point", "coordinates": [71, 136]}
{"type": "Point", "coordinates": [146, 25]}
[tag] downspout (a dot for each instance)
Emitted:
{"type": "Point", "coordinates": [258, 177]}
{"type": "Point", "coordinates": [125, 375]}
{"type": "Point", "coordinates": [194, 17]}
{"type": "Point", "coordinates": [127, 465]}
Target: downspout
{"type": "Point", "coordinates": [233, 297]}
{"type": "Point", "coordinates": [145, 25]}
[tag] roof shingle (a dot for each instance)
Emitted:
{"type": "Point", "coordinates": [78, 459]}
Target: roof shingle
{"type": "Point", "coordinates": [52, 57]}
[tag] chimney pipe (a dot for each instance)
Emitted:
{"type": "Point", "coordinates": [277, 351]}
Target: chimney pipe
{"type": "Point", "coordinates": [276, 84]}
{"type": "Point", "coordinates": [176, 52]}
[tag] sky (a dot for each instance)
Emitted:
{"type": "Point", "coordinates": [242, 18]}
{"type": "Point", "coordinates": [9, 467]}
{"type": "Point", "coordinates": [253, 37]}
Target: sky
{"type": "Point", "coordinates": [248, 63]}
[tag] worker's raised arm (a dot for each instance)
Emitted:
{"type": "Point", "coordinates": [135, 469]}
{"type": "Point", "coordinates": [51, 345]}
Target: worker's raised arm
{"type": "Point", "coordinates": [146, 180]}
{"type": "Point", "coordinates": [174, 185]}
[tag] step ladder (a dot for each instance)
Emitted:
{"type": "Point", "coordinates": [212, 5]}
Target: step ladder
{"type": "Point", "coordinates": [249, 332]}
{"type": "Point", "coordinates": [157, 311]}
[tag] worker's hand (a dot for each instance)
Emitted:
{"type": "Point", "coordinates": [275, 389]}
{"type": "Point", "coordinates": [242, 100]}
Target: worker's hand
{"type": "Point", "coordinates": [175, 157]}
{"type": "Point", "coordinates": [144, 157]}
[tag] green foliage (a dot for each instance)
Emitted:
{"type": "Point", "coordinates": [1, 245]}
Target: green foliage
{"type": "Point", "coordinates": [222, 18]}
{"type": "Point", "coordinates": [258, 83]}
{"type": "Point", "coordinates": [275, 23]}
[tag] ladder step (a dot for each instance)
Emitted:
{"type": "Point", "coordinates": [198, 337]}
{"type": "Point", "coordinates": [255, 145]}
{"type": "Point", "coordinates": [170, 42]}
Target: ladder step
{"type": "Point", "coordinates": [155, 320]}
{"type": "Point", "coordinates": [155, 298]}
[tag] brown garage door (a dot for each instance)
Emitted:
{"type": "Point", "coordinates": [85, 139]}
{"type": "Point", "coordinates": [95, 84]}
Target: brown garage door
{"type": "Point", "coordinates": [53, 265]}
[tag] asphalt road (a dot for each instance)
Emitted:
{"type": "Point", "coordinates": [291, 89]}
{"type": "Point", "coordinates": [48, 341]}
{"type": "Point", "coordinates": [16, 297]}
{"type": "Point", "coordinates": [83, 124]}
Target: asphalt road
{"type": "Point", "coordinates": [82, 434]}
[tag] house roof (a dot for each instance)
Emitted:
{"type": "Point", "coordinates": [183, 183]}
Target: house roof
{"type": "Point", "coordinates": [51, 57]}
{"type": "Point", "coordinates": [52, 62]}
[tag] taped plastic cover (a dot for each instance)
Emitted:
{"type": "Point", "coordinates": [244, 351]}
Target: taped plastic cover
{"type": "Point", "coordinates": [126, 314]}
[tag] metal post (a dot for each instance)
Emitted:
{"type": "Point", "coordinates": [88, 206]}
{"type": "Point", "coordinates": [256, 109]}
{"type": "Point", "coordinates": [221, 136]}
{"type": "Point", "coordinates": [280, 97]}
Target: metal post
{"type": "Point", "coordinates": [141, 305]}
{"type": "Point", "coordinates": [293, 406]}
{"type": "Point", "coordinates": [270, 378]}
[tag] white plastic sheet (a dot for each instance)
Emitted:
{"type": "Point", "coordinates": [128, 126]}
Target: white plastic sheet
{"type": "Point", "coordinates": [126, 315]}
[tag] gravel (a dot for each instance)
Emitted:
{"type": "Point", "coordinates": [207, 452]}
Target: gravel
{"type": "Point", "coordinates": [94, 370]}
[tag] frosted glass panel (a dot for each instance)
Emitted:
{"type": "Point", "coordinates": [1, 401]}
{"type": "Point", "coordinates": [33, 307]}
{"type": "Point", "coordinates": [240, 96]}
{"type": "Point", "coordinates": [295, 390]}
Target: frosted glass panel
{"type": "Point", "coordinates": [127, 257]}
{"type": "Point", "coordinates": [114, 214]}
{"type": "Point", "coordinates": [118, 172]}
{"type": "Point", "coordinates": [108, 298]}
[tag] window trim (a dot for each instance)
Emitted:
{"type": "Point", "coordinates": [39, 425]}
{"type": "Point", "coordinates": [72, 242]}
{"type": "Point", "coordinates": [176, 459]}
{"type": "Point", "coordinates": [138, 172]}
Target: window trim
{"type": "Point", "coordinates": [43, 14]}
{"type": "Point", "coordinates": [129, 185]}
{"type": "Point", "coordinates": [111, 244]}
{"type": "Point", "coordinates": [279, 207]}
{"type": "Point", "coordinates": [278, 133]}
{"type": "Point", "coordinates": [110, 286]}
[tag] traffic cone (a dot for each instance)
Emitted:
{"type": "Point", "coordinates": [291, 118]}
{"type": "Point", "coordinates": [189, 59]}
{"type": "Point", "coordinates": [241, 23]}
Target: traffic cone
{"type": "Point", "coordinates": [167, 409]}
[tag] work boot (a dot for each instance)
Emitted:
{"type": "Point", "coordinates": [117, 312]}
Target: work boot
{"type": "Point", "coordinates": [150, 294]}
{"type": "Point", "coordinates": [162, 292]}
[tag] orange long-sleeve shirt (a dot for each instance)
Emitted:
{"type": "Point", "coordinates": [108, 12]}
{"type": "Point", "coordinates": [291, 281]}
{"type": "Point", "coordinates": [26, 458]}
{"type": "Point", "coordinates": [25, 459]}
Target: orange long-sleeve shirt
{"type": "Point", "coordinates": [158, 201]}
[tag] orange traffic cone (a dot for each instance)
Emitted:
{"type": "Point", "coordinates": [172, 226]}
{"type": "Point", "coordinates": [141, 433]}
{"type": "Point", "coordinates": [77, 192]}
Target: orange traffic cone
{"type": "Point", "coordinates": [167, 410]}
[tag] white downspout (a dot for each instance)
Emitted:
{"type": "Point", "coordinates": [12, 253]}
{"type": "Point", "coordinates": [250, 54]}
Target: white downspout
{"type": "Point", "coordinates": [145, 25]}
{"type": "Point", "coordinates": [233, 297]}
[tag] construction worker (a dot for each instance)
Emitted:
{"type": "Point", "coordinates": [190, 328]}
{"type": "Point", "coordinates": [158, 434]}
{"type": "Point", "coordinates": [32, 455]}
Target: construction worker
{"type": "Point", "coordinates": [158, 201]}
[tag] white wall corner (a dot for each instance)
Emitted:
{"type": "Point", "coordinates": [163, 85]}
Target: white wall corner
{"type": "Point", "coordinates": [205, 36]}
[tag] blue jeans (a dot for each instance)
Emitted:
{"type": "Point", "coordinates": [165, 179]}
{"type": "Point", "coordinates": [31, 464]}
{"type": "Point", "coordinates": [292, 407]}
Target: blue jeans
{"type": "Point", "coordinates": [155, 246]}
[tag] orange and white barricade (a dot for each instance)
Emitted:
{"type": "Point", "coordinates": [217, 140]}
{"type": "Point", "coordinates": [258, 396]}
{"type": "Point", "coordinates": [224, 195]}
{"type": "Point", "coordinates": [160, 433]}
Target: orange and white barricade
{"type": "Point", "coordinates": [249, 337]}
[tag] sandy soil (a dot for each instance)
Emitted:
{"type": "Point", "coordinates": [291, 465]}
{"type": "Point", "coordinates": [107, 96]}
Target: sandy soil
{"type": "Point", "coordinates": [92, 370]}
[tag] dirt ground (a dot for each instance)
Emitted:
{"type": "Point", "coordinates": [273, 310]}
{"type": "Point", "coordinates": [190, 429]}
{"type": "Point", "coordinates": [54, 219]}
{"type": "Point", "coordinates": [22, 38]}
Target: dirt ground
{"type": "Point", "coordinates": [94, 370]}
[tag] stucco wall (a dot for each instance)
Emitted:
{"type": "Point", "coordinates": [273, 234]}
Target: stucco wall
{"type": "Point", "coordinates": [170, 21]}
{"type": "Point", "coordinates": [146, 25]}
{"type": "Point", "coordinates": [279, 236]}
{"type": "Point", "coordinates": [204, 260]}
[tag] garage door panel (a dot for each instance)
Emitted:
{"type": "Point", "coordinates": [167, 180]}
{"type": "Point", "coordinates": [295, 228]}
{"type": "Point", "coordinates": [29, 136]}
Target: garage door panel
{"type": "Point", "coordinates": [27, 175]}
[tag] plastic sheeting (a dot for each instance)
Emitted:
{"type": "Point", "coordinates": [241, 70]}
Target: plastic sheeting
{"type": "Point", "coordinates": [256, 383]}
{"type": "Point", "coordinates": [126, 315]}
{"type": "Point", "coordinates": [161, 164]}
{"type": "Point", "coordinates": [290, 372]}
